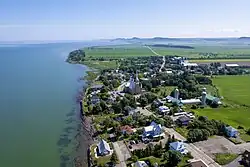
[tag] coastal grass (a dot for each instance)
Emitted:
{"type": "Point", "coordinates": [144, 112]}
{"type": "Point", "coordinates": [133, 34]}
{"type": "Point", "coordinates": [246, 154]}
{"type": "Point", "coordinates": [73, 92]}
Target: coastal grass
{"type": "Point", "coordinates": [225, 158]}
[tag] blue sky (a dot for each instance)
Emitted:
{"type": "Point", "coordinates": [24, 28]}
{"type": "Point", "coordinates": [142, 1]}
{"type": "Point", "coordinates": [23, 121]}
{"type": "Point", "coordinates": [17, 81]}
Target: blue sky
{"type": "Point", "coordinates": [101, 19]}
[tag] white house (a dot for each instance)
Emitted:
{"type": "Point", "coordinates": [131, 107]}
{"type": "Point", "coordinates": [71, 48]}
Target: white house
{"type": "Point", "coordinates": [103, 148]}
{"type": "Point", "coordinates": [164, 109]}
{"type": "Point", "coordinates": [153, 130]}
{"type": "Point", "coordinates": [140, 164]}
{"type": "Point", "coordinates": [178, 146]}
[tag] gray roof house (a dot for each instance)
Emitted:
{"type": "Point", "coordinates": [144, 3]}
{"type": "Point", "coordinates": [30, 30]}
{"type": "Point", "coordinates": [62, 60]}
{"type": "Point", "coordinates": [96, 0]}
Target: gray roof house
{"type": "Point", "coordinates": [140, 164]}
{"type": "Point", "coordinates": [103, 148]}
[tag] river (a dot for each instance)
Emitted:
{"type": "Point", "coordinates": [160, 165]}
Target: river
{"type": "Point", "coordinates": [38, 110]}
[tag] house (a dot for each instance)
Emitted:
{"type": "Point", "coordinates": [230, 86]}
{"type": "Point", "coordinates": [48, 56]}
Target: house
{"type": "Point", "coordinates": [197, 163]}
{"type": "Point", "coordinates": [231, 132]}
{"type": "Point", "coordinates": [158, 102]}
{"type": "Point", "coordinates": [103, 148]}
{"type": "Point", "coordinates": [112, 137]}
{"type": "Point", "coordinates": [96, 87]}
{"type": "Point", "coordinates": [246, 158]}
{"type": "Point", "coordinates": [94, 99]}
{"type": "Point", "coordinates": [153, 130]}
{"type": "Point", "coordinates": [130, 111]}
{"type": "Point", "coordinates": [164, 110]}
{"type": "Point", "coordinates": [183, 120]}
{"type": "Point", "coordinates": [178, 146]}
{"type": "Point", "coordinates": [126, 130]}
{"type": "Point", "coordinates": [140, 164]}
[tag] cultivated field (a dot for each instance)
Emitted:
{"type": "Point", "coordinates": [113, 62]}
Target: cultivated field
{"type": "Point", "coordinates": [236, 98]}
{"type": "Point", "coordinates": [199, 51]}
{"type": "Point", "coordinates": [234, 89]}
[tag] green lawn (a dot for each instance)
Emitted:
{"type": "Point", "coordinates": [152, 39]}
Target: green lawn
{"type": "Point", "coordinates": [165, 89]}
{"type": "Point", "coordinates": [225, 158]}
{"type": "Point", "coordinates": [234, 89]}
{"type": "Point", "coordinates": [232, 116]}
{"type": "Point", "coordinates": [100, 160]}
{"type": "Point", "coordinates": [182, 130]}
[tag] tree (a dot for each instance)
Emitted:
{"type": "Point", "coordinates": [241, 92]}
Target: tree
{"type": "Point", "coordinates": [174, 157]}
{"type": "Point", "coordinates": [134, 158]}
{"type": "Point", "coordinates": [143, 100]}
{"type": "Point", "coordinates": [115, 83]}
{"type": "Point", "coordinates": [114, 158]}
{"type": "Point", "coordinates": [97, 109]}
{"type": "Point", "coordinates": [248, 131]}
{"type": "Point", "coordinates": [117, 107]}
{"type": "Point", "coordinates": [168, 122]}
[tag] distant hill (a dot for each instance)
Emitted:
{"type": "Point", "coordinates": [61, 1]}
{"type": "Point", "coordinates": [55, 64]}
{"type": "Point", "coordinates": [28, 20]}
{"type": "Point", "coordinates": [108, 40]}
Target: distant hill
{"type": "Point", "coordinates": [244, 38]}
{"type": "Point", "coordinates": [172, 46]}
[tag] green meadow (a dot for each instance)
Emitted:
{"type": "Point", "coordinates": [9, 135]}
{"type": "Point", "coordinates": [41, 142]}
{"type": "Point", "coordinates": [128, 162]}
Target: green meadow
{"type": "Point", "coordinates": [199, 51]}
{"type": "Point", "coordinates": [235, 91]}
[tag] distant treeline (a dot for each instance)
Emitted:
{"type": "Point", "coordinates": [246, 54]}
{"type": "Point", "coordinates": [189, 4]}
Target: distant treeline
{"type": "Point", "coordinates": [172, 46]}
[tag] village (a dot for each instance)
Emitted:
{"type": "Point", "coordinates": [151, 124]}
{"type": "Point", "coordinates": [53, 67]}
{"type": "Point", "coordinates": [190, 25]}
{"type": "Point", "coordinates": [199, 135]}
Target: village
{"type": "Point", "coordinates": [143, 115]}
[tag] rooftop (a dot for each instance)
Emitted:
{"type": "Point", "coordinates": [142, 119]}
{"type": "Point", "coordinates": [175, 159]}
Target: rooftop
{"type": "Point", "coordinates": [97, 86]}
{"type": "Point", "coordinates": [231, 65]}
{"type": "Point", "coordinates": [198, 163]}
{"type": "Point", "coordinates": [183, 119]}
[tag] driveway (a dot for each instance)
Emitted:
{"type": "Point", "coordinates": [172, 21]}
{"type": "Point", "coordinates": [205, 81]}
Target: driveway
{"type": "Point", "coordinates": [122, 153]}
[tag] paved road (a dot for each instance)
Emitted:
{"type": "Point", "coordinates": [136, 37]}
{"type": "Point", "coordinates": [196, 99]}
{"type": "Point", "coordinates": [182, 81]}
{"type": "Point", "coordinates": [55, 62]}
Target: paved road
{"type": "Point", "coordinates": [196, 152]}
{"type": "Point", "coordinates": [163, 57]}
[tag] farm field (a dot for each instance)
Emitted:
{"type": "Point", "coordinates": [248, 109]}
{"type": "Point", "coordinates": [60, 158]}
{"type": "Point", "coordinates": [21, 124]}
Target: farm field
{"type": "Point", "coordinates": [220, 60]}
{"type": "Point", "coordinates": [232, 116]}
{"type": "Point", "coordinates": [236, 93]}
{"type": "Point", "coordinates": [234, 89]}
{"type": "Point", "coordinates": [134, 50]}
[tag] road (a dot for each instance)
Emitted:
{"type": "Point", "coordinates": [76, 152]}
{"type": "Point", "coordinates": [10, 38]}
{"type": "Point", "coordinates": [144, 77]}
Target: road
{"type": "Point", "coordinates": [163, 57]}
{"type": "Point", "coordinates": [196, 152]}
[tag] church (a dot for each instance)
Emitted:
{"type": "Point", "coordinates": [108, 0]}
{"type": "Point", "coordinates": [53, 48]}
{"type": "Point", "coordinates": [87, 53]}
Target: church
{"type": "Point", "coordinates": [133, 86]}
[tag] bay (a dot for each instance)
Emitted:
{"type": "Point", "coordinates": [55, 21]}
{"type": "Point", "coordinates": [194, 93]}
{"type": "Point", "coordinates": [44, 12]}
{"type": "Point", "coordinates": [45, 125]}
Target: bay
{"type": "Point", "coordinates": [37, 96]}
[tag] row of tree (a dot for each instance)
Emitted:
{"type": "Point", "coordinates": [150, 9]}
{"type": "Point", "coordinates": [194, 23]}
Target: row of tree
{"type": "Point", "coordinates": [201, 128]}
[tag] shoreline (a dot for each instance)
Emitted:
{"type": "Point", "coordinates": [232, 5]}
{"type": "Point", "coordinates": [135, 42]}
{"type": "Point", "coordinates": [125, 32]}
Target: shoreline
{"type": "Point", "coordinates": [84, 128]}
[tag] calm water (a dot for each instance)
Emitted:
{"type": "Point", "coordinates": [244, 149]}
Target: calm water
{"type": "Point", "coordinates": [37, 96]}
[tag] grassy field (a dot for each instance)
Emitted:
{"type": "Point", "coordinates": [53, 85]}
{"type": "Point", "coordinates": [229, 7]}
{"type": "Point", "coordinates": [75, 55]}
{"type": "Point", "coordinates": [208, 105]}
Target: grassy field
{"type": "Point", "coordinates": [100, 64]}
{"type": "Point", "coordinates": [234, 89]}
{"type": "Point", "coordinates": [135, 50]}
{"type": "Point", "coordinates": [236, 93]}
{"type": "Point", "coordinates": [226, 158]}
{"type": "Point", "coordinates": [117, 52]}
{"type": "Point", "coordinates": [232, 116]}
{"type": "Point", "coordinates": [219, 60]}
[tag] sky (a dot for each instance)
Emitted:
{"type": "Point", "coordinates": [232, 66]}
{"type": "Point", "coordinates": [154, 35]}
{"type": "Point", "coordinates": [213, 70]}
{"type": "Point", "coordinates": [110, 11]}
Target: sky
{"type": "Point", "coordinates": [28, 20]}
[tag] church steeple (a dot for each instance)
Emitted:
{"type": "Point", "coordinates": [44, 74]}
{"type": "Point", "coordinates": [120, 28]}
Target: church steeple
{"type": "Point", "coordinates": [137, 78]}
